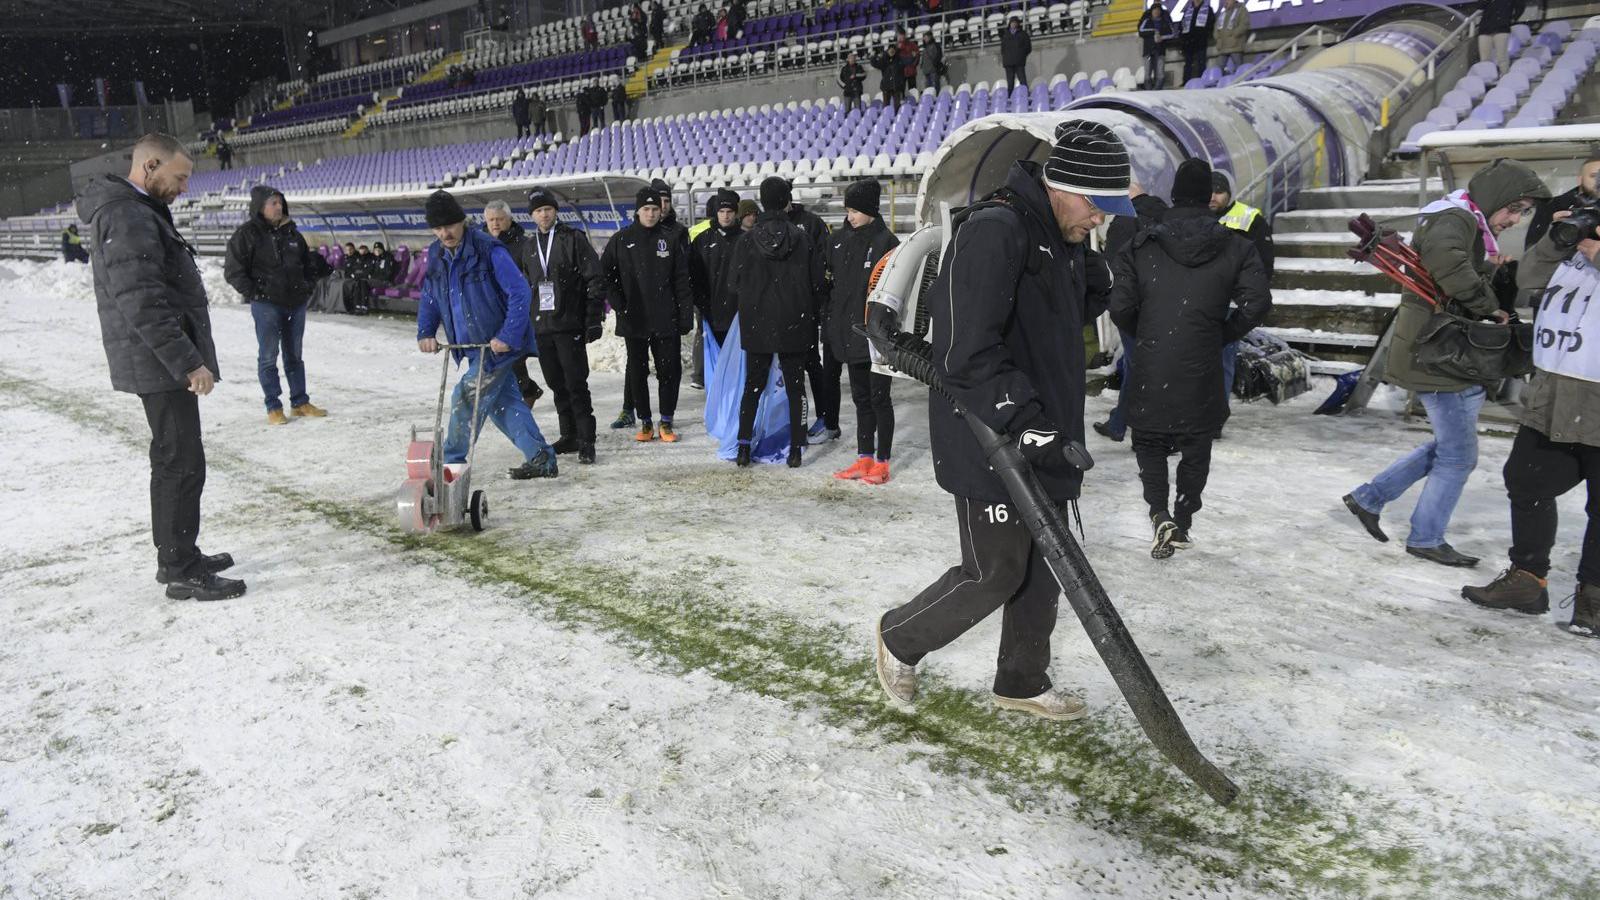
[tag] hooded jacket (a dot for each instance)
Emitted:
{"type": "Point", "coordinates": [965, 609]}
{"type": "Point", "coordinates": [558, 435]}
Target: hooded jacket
{"type": "Point", "coordinates": [647, 279]}
{"type": "Point", "coordinates": [575, 271]}
{"type": "Point", "coordinates": [1008, 310]}
{"type": "Point", "coordinates": [780, 278]}
{"type": "Point", "coordinates": [267, 264]}
{"type": "Point", "coordinates": [1148, 210]}
{"type": "Point", "coordinates": [852, 255]}
{"type": "Point", "coordinates": [1182, 289]}
{"type": "Point", "coordinates": [708, 269]}
{"type": "Point", "coordinates": [1156, 35]}
{"type": "Point", "coordinates": [1452, 250]}
{"type": "Point", "coordinates": [152, 304]}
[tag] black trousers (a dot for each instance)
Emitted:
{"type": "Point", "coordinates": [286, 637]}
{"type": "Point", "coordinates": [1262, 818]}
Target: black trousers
{"type": "Point", "coordinates": [1151, 449]}
{"type": "Point", "coordinates": [523, 129]}
{"type": "Point", "coordinates": [1000, 567]}
{"type": "Point", "coordinates": [697, 356]}
{"type": "Point", "coordinates": [1537, 472]}
{"type": "Point", "coordinates": [177, 476]}
{"type": "Point", "coordinates": [564, 359]}
{"type": "Point", "coordinates": [667, 350]}
{"type": "Point", "coordinates": [1194, 61]}
{"type": "Point", "coordinates": [823, 371]}
{"type": "Point", "coordinates": [1014, 75]}
{"type": "Point", "coordinates": [756, 368]}
{"type": "Point", "coordinates": [874, 411]}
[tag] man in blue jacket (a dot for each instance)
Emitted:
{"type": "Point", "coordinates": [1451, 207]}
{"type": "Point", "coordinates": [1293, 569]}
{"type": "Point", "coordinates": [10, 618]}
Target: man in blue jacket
{"type": "Point", "coordinates": [475, 290]}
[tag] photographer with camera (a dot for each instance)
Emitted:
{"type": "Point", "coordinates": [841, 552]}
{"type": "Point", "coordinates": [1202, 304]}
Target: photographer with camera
{"type": "Point", "coordinates": [1586, 194]}
{"type": "Point", "coordinates": [1558, 445]}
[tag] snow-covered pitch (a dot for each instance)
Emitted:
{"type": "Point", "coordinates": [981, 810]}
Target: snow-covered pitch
{"type": "Point", "coordinates": [651, 677]}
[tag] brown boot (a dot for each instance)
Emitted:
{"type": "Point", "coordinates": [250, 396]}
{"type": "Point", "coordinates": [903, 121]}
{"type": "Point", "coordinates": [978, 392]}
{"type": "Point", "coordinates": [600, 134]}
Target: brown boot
{"type": "Point", "coordinates": [1586, 612]}
{"type": "Point", "coordinates": [1514, 589]}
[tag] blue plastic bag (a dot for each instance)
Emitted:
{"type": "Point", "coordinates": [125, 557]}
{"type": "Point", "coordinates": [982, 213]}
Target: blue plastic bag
{"type": "Point", "coordinates": [1343, 386]}
{"type": "Point", "coordinates": [769, 438]}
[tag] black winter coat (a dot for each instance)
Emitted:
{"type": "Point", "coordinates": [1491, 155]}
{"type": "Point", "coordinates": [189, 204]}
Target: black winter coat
{"type": "Point", "coordinates": [1008, 310]}
{"type": "Point", "coordinates": [1195, 28]}
{"type": "Point", "coordinates": [853, 253]}
{"type": "Point", "coordinates": [647, 281]}
{"type": "Point", "coordinates": [520, 113]}
{"type": "Point", "coordinates": [1120, 232]}
{"type": "Point", "coordinates": [1499, 15]}
{"type": "Point", "coordinates": [575, 270]}
{"type": "Point", "coordinates": [781, 280]}
{"type": "Point", "coordinates": [271, 264]}
{"type": "Point", "coordinates": [708, 267]}
{"type": "Point", "coordinates": [1175, 291]}
{"type": "Point", "coordinates": [852, 79]}
{"type": "Point", "coordinates": [153, 316]}
{"type": "Point", "coordinates": [1015, 46]}
{"type": "Point", "coordinates": [1545, 214]}
{"type": "Point", "coordinates": [1150, 30]}
{"type": "Point", "coordinates": [809, 222]}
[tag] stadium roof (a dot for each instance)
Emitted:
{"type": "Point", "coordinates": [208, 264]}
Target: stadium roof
{"type": "Point", "coordinates": [68, 17]}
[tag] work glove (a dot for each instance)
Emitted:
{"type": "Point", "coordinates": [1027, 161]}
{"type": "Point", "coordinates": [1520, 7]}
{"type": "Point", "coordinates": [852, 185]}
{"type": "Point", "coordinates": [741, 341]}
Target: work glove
{"type": "Point", "coordinates": [593, 333]}
{"type": "Point", "coordinates": [1041, 443]}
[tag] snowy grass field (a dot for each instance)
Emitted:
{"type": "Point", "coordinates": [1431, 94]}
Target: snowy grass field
{"type": "Point", "coordinates": [651, 678]}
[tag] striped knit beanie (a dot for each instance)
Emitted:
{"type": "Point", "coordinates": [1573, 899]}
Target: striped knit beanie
{"type": "Point", "coordinates": [1089, 159]}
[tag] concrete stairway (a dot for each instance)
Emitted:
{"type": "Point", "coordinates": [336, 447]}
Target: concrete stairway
{"type": "Point", "coordinates": [639, 81]}
{"type": "Point", "coordinates": [1121, 17]}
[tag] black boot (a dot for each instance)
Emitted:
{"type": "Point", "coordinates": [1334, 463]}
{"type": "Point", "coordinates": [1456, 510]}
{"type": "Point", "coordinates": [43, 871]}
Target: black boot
{"type": "Point", "coordinates": [204, 587]}
{"type": "Point", "coordinates": [796, 457]}
{"type": "Point", "coordinates": [565, 444]}
{"type": "Point", "coordinates": [1444, 555]}
{"type": "Point", "coordinates": [532, 393]}
{"type": "Point", "coordinates": [1513, 589]}
{"type": "Point", "coordinates": [1585, 612]}
{"type": "Point", "coordinates": [1369, 520]}
{"type": "Point", "coordinates": [1161, 546]}
{"type": "Point", "coordinates": [742, 459]}
{"type": "Point", "coordinates": [586, 441]}
{"type": "Point", "coordinates": [203, 565]}
{"type": "Point", "coordinates": [543, 465]}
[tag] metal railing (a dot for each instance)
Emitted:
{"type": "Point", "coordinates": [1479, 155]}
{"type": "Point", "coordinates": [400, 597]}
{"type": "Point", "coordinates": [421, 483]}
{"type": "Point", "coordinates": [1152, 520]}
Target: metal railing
{"type": "Point", "coordinates": [1293, 47]}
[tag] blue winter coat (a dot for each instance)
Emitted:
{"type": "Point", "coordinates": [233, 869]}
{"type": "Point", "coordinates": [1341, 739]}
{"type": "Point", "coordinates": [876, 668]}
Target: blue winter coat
{"type": "Point", "coordinates": [477, 295]}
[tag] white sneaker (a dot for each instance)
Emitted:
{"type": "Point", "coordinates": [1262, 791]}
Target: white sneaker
{"type": "Point", "coordinates": [1052, 704]}
{"type": "Point", "coordinates": [898, 679]}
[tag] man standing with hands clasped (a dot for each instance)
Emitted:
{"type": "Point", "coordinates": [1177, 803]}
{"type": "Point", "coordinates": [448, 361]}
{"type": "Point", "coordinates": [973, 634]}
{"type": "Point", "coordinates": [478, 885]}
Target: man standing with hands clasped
{"type": "Point", "coordinates": [1013, 293]}
{"type": "Point", "coordinates": [157, 335]}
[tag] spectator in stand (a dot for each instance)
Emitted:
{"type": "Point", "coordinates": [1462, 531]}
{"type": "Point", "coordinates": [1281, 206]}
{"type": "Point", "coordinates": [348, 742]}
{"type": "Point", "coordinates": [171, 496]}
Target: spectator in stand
{"type": "Point", "coordinates": [591, 35]}
{"type": "Point", "coordinates": [658, 25]}
{"type": "Point", "coordinates": [1015, 45]}
{"type": "Point", "coordinates": [852, 81]}
{"type": "Point", "coordinates": [636, 17]}
{"type": "Point", "coordinates": [1233, 31]}
{"type": "Point", "coordinates": [892, 84]}
{"type": "Point", "coordinates": [598, 96]}
{"type": "Point", "coordinates": [700, 30]}
{"type": "Point", "coordinates": [904, 10]}
{"type": "Point", "coordinates": [908, 55]}
{"type": "Point", "coordinates": [1494, 30]}
{"type": "Point", "coordinates": [581, 101]}
{"type": "Point", "coordinates": [1157, 30]}
{"type": "Point", "coordinates": [1198, 21]}
{"type": "Point", "coordinates": [224, 153]}
{"type": "Point", "coordinates": [641, 41]}
{"type": "Point", "coordinates": [520, 113]}
{"type": "Point", "coordinates": [736, 18]}
{"type": "Point", "coordinates": [619, 100]}
{"type": "Point", "coordinates": [720, 32]}
{"type": "Point", "coordinates": [538, 113]}
{"type": "Point", "coordinates": [932, 64]}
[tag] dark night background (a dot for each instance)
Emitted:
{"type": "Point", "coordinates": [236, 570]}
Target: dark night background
{"type": "Point", "coordinates": [170, 64]}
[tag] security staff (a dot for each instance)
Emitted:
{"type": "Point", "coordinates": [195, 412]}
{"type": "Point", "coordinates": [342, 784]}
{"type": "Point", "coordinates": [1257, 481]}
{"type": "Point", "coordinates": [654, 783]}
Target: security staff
{"type": "Point", "coordinates": [1253, 224]}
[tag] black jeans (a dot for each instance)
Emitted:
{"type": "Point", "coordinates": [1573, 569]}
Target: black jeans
{"type": "Point", "coordinates": [1014, 74]}
{"type": "Point", "coordinates": [1151, 449]}
{"type": "Point", "coordinates": [874, 411]}
{"type": "Point", "coordinates": [1194, 61]}
{"type": "Point", "coordinates": [824, 371]}
{"type": "Point", "coordinates": [1537, 472]}
{"type": "Point", "coordinates": [522, 130]}
{"type": "Point", "coordinates": [177, 476]}
{"type": "Point", "coordinates": [1000, 567]}
{"type": "Point", "coordinates": [667, 350]}
{"type": "Point", "coordinates": [756, 368]}
{"type": "Point", "coordinates": [564, 359]}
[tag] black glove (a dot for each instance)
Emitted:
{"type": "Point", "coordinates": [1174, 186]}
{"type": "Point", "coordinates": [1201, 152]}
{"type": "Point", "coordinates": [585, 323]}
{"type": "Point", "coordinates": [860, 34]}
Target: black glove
{"type": "Point", "coordinates": [593, 333]}
{"type": "Point", "coordinates": [1042, 444]}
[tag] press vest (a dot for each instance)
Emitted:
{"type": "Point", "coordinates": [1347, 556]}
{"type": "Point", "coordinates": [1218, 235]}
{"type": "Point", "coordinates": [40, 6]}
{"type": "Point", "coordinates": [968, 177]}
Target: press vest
{"type": "Point", "coordinates": [1240, 217]}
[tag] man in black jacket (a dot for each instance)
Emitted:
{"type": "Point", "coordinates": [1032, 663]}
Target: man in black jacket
{"type": "Point", "coordinates": [1119, 235]}
{"type": "Point", "coordinates": [520, 114]}
{"type": "Point", "coordinates": [502, 227]}
{"type": "Point", "coordinates": [708, 265]}
{"type": "Point", "coordinates": [780, 278]}
{"type": "Point", "coordinates": [157, 335]}
{"type": "Point", "coordinates": [270, 265]}
{"type": "Point", "coordinates": [646, 267]}
{"type": "Point", "coordinates": [1014, 290]}
{"type": "Point", "coordinates": [357, 288]}
{"type": "Point", "coordinates": [678, 233]}
{"type": "Point", "coordinates": [852, 81]}
{"type": "Point", "coordinates": [1587, 193]}
{"type": "Point", "coordinates": [1015, 45]}
{"type": "Point", "coordinates": [1195, 37]}
{"type": "Point", "coordinates": [855, 250]}
{"type": "Point", "coordinates": [1183, 289]}
{"type": "Point", "coordinates": [822, 369]}
{"type": "Point", "coordinates": [1494, 30]}
{"type": "Point", "coordinates": [568, 315]}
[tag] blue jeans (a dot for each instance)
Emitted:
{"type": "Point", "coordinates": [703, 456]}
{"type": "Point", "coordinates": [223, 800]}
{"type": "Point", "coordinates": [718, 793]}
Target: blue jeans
{"type": "Point", "coordinates": [1230, 358]}
{"type": "Point", "coordinates": [501, 402]}
{"type": "Point", "coordinates": [1116, 423]}
{"type": "Point", "coordinates": [1445, 462]}
{"type": "Point", "coordinates": [280, 326]}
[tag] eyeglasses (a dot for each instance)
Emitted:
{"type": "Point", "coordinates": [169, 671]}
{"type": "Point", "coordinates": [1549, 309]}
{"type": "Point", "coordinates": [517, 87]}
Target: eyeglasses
{"type": "Point", "coordinates": [1522, 209]}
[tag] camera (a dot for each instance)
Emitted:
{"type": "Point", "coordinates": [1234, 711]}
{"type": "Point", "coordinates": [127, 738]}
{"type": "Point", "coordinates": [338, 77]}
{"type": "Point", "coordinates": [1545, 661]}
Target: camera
{"type": "Point", "coordinates": [1583, 224]}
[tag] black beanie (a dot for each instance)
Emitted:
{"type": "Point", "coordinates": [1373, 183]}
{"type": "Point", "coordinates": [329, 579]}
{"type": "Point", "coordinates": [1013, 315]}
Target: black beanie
{"type": "Point", "coordinates": [443, 209]}
{"type": "Point", "coordinates": [647, 196]}
{"type": "Point", "coordinates": [661, 187]}
{"type": "Point", "coordinates": [863, 196]}
{"type": "Point", "coordinates": [1192, 186]}
{"type": "Point", "coordinates": [1219, 183]}
{"type": "Point", "coordinates": [540, 196]}
{"type": "Point", "coordinates": [723, 199]}
{"type": "Point", "coordinates": [776, 194]}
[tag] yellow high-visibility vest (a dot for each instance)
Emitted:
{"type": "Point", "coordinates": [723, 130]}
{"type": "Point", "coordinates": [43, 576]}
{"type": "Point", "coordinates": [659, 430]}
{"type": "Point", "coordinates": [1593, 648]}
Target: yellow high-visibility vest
{"type": "Point", "coordinates": [1240, 217]}
{"type": "Point", "coordinates": [699, 228]}
{"type": "Point", "coordinates": [73, 239]}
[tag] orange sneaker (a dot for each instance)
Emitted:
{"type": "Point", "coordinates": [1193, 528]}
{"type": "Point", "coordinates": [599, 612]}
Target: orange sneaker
{"type": "Point", "coordinates": [646, 433]}
{"type": "Point", "coordinates": [667, 434]}
{"type": "Point", "coordinates": [857, 469]}
{"type": "Point", "coordinates": [879, 473]}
